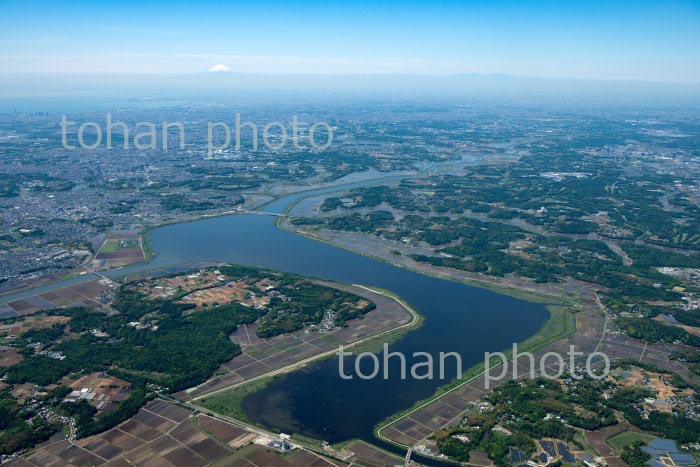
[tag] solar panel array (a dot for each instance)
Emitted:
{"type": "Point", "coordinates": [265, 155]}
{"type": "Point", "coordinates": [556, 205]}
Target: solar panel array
{"type": "Point", "coordinates": [682, 459]}
{"type": "Point", "coordinates": [565, 453]}
{"type": "Point", "coordinates": [658, 447]}
{"type": "Point", "coordinates": [516, 455]}
{"type": "Point", "coordinates": [543, 458]}
{"type": "Point", "coordinates": [548, 447]}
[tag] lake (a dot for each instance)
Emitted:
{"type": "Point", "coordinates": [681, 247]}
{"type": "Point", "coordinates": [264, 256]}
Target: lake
{"type": "Point", "coordinates": [315, 401]}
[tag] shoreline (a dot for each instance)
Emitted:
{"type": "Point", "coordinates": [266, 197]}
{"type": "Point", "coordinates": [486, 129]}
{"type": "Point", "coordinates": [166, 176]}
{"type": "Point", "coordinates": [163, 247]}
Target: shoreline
{"type": "Point", "coordinates": [564, 301]}
{"type": "Point", "coordinates": [416, 321]}
{"type": "Point", "coordinates": [561, 316]}
{"type": "Point", "coordinates": [568, 301]}
{"type": "Point", "coordinates": [562, 311]}
{"type": "Point", "coordinates": [522, 294]}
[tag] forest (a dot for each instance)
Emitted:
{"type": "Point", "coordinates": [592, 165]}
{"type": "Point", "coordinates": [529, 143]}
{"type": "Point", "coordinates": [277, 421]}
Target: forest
{"type": "Point", "coordinates": [174, 347]}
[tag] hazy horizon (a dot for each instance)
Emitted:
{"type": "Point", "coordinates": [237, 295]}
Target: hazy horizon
{"type": "Point", "coordinates": [132, 85]}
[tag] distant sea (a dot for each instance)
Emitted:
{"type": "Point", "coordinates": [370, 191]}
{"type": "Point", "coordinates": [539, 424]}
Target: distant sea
{"type": "Point", "coordinates": [76, 103]}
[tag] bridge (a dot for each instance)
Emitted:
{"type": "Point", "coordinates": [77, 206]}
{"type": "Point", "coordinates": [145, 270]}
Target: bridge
{"type": "Point", "coordinates": [263, 213]}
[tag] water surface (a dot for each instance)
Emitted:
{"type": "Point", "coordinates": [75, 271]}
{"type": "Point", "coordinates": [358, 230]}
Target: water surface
{"type": "Point", "coordinates": [315, 401]}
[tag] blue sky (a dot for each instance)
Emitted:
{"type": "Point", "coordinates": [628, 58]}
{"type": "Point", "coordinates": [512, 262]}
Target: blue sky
{"type": "Point", "coordinates": [658, 41]}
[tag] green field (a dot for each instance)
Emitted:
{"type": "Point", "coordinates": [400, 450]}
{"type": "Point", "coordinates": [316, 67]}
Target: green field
{"type": "Point", "coordinates": [109, 247]}
{"type": "Point", "coordinates": [627, 438]}
{"type": "Point", "coordinates": [229, 402]}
